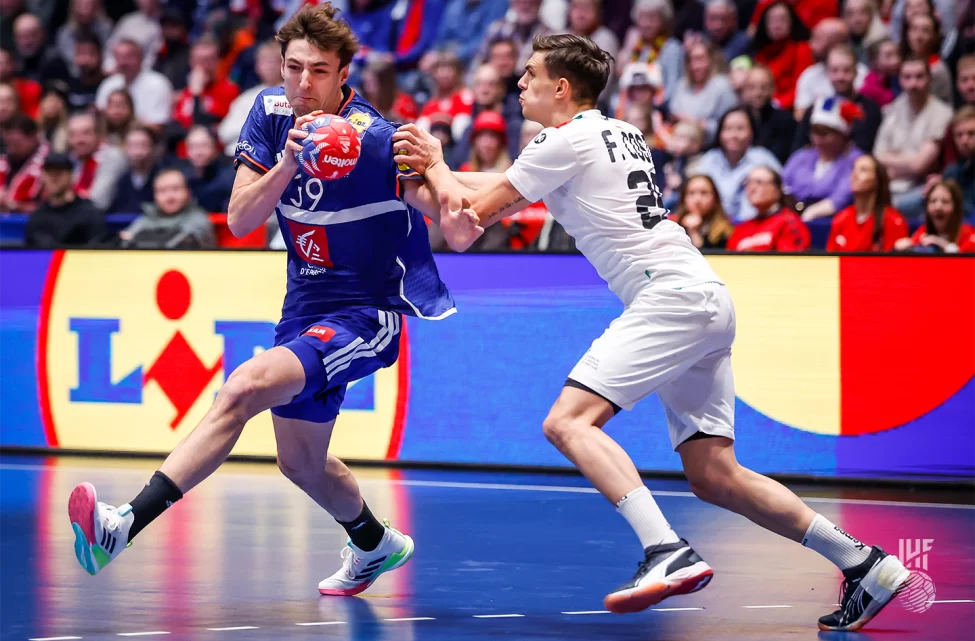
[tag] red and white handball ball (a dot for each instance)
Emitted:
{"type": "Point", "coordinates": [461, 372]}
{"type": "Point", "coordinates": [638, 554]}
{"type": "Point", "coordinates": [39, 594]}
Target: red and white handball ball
{"type": "Point", "coordinates": [331, 149]}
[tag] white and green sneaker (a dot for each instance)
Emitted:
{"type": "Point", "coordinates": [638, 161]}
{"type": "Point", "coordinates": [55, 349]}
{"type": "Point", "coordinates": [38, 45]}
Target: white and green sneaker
{"type": "Point", "coordinates": [101, 531]}
{"type": "Point", "coordinates": [360, 569]}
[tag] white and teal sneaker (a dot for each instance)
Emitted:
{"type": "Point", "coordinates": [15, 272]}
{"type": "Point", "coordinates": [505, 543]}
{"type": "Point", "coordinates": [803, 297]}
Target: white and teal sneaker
{"type": "Point", "coordinates": [101, 531]}
{"type": "Point", "coordinates": [360, 569]}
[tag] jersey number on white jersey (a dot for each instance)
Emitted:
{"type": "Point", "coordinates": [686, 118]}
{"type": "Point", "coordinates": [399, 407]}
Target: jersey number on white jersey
{"type": "Point", "coordinates": [648, 206]}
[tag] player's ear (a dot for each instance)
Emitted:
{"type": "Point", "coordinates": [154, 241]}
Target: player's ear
{"type": "Point", "coordinates": [562, 89]}
{"type": "Point", "coordinates": [344, 74]}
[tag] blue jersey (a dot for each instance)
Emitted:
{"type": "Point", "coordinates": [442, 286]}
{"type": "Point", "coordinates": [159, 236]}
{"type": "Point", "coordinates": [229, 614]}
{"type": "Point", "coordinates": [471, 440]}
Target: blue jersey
{"type": "Point", "coordinates": [352, 242]}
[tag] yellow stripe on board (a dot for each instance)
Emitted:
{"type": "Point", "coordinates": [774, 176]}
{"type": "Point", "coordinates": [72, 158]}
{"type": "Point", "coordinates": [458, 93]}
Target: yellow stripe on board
{"type": "Point", "coordinates": [786, 356]}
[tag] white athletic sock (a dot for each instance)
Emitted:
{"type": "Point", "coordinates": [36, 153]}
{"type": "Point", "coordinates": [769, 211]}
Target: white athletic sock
{"type": "Point", "coordinates": [835, 544]}
{"type": "Point", "coordinates": [645, 517]}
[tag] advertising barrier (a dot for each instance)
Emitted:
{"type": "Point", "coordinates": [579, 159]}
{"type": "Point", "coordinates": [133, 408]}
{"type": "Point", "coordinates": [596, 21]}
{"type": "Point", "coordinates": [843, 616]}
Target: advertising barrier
{"type": "Point", "coordinates": [853, 366]}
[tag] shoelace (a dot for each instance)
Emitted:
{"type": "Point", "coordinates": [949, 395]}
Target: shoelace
{"type": "Point", "coordinates": [845, 598]}
{"type": "Point", "coordinates": [643, 567]}
{"type": "Point", "coordinates": [348, 560]}
{"type": "Point", "coordinates": [110, 518]}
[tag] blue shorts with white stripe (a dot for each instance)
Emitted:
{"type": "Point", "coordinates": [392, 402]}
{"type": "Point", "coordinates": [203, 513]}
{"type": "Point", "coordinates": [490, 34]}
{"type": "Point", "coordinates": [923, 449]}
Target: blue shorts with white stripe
{"type": "Point", "coordinates": [335, 350]}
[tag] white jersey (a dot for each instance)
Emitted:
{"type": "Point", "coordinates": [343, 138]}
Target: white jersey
{"type": "Point", "coordinates": [596, 177]}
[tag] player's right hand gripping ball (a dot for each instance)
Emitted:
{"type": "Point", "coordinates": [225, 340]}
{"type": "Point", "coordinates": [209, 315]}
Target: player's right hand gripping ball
{"type": "Point", "coordinates": [331, 148]}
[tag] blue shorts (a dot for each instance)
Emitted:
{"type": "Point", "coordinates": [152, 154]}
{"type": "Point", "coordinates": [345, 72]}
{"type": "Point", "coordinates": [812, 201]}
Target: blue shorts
{"type": "Point", "coordinates": [335, 350]}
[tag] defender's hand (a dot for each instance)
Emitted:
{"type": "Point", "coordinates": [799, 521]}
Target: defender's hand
{"type": "Point", "coordinates": [460, 227]}
{"type": "Point", "coordinates": [418, 149]}
{"type": "Point", "coordinates": [295, 135]}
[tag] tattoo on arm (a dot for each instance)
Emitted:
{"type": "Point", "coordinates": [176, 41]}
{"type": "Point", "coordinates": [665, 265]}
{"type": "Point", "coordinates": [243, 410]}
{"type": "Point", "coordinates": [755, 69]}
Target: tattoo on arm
{"type": "Point", "coordinates": [498, 214]}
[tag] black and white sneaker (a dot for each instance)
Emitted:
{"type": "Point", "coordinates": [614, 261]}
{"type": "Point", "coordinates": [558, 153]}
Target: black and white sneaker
{"type": "Point", "coordinates": [667, 570]}
{"type": "Point", "coordinates": [867, 588]}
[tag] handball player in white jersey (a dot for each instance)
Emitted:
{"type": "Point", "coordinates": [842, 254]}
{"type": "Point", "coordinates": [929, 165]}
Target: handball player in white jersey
{"type": "Point", "coordinates": [674, 336]}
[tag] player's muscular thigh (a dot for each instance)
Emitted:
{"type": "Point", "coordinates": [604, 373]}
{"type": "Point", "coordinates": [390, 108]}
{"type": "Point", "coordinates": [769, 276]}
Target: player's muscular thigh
{"type": "Point", "coordinates": [269, 379]}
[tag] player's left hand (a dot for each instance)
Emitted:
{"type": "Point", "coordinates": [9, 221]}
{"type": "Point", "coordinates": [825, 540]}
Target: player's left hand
{"type": "Point", "coordinates": [460, 227]}
{"type": "Point", "coordinates": [419, 149]}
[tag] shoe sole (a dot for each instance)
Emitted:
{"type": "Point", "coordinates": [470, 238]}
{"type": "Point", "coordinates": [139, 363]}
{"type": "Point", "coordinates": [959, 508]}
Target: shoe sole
{"type": "Point", "coordinates": [684, 581]}
{"type": "Point", "coordinates": [395, 561]}
{"type": "Point", "coordinates": [901, 579]}
{"type": "Point", "coordinates": [81, 512]}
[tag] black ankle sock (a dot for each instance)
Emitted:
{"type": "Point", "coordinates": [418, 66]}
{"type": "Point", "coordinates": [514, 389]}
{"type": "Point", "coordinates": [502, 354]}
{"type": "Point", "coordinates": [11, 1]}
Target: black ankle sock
{"type": "Point", "coordinates": [158, 494]}
{"type": "Point", "coordinates": [365, 531]}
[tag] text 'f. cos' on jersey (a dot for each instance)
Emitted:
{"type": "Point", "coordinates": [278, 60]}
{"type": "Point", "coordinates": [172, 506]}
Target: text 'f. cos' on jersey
{"type": "Point", "coordinates": [352, 242]}
{"type": "Point", "coordinates": [596, 177]}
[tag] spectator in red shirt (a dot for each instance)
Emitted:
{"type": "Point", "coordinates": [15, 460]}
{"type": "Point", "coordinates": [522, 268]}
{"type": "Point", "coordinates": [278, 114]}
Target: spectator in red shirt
{"type": "Point", "coordinates": [810, 12]}
{"type": "Point", "coordinates": [776, 228]}
{"type": "Point", "coordinates": [870, 224]}
{"type": "Point", "coordinates": [782, 44]}
{"type": "Point", "coordinates": [451, 96]}
{"type": "Point", "coordinates": [700, 213]}
{"type": "Point", "coordinates": [98, 166]}
{"type": "Point", "coordinates": [22, 165]}
{"type": "Point", "coordinates": [207, 97]}
{"type": "Point", "coordinates": [28, 91]}
{"type": "Point", "coordinates": [381, 89]}
{"type": "Point", "coordinates": [943, 229]}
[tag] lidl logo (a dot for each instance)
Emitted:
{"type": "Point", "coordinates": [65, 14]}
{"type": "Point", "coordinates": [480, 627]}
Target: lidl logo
{"type": "Point", "coordinates": [178, 370]}
{"type": "Point", "coordinates": [132, 359]}
{"type": "Point", "coordinates": [360, 121]}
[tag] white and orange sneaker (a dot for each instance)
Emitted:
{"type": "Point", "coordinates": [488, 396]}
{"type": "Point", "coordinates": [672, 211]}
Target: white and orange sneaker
{"type": "Point", "coordinates": [667, 570]}
{"type": "Point", "coordinates": [101, 531]}
{"type": "Point", "coordinates": [360, 569]}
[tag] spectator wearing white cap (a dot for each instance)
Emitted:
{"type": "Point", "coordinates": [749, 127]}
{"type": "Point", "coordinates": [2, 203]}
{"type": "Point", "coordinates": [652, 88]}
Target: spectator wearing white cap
{"type": "Point", "coordinates": [641, 83]}
{"type": "Point", "coordinates": [818, 176]}
{"type": "Point", "coordinates": [841, 73]}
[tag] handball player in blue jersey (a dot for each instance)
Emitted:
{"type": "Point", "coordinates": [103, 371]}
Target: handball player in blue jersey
{"type": "Point", "coordinates": [358, 259]}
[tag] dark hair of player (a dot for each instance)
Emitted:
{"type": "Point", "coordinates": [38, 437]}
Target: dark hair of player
{"type": "Point", "coordinates": [318, 25]}
{"type": "Point", "coordinates": [577, 59]}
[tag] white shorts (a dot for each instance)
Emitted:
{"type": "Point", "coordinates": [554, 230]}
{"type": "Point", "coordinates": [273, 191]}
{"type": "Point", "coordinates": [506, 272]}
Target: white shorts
{"type": "Point", "coordinates": [676, 343]}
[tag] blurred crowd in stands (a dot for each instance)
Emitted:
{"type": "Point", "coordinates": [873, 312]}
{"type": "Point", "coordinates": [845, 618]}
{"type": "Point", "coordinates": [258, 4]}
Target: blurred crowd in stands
{"type": "Point", "coordinates": [775, 125]}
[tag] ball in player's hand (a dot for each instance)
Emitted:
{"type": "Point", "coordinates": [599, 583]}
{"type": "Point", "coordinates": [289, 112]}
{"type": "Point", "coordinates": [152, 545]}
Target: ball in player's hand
{"type": "Point", "coordinates": [331, 149]}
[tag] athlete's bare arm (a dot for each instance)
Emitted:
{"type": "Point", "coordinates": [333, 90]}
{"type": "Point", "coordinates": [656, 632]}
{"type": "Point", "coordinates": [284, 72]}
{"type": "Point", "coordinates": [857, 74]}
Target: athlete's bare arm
{"type": "Point", "coordinates": [493, 198]}
{"type": "Point", "coordinates": [460, 225]}
{"type": "Point", "coordinates": [419, 197]}
{"type": "Point", "coordinates": [476, 179]}
{"type": "Point", "coordinates": [254, 195]}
